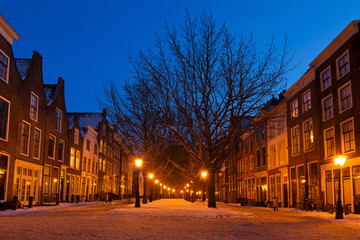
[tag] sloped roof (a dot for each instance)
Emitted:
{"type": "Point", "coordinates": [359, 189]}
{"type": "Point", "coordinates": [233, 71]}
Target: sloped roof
{"type": "Point", "coordinates": [71, 118]}
{"type": "Point", "coordinates": [50, 92]}
{"type": "Point", "coordinates": [23, 66]}
{"type": "Point", "coordinates": [91, 119]}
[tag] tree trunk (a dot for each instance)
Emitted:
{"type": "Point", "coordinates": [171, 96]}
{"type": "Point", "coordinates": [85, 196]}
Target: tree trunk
{"type": "Point", "coordinates": [211, 188]}
{"type": "Point", "coordinates": [145, 188]}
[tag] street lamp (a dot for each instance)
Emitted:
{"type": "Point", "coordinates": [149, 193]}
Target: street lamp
{"type": "Point", "coordinates": [138, 163]}
{"type": "Point", "coordinates": [339, 161]}
{"type": "Point", "coordinates": [203, 174]}
{"type": "Point", "coordinates": [151, 177]}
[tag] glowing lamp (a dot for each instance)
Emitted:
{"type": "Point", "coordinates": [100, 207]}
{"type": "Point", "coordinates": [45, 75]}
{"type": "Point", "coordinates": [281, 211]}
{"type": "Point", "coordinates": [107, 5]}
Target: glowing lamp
{"type": "Point", "coordinates": [138, 162]}
{"type": "Point", "coordinates": [339, 161]}
{"type": "Point", "coordinates": [151, 175]}
{"type": "Point", "coordinates": [203, 174]}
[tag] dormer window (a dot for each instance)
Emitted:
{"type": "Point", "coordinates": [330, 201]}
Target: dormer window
{"type": "Point", "coordinates": [58, 120]}
{"type": "Point", "coordinates": [4, 65]}
{"type": "Point", "coordinates": [76, 136]}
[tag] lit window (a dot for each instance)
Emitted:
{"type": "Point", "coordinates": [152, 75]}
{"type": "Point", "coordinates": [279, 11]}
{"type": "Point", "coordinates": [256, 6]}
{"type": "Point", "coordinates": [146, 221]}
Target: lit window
{"type": "Point", "coordinates": [294, 109]}
{"type": "Point", "coordinates": [329, 142]}
{"type": "Point", "coordinates": [34, 106]}
{"type": "Point", "coordinates": [347, 130]}
{"type": "Point", "coordinates": [4, 65]}
{"type": "Point", "coordinates": [327, 104]}
{"type": "Point", "coordinates": [308, 135]}
{"type": "Point", "coordinates": [51, 150]}
{"type": "Point", "coordinates": [295, 140]}
{"type": "Point", "coordinates": [58, 120]}
{"type": "Point", "coordinates": [24, 148]}
{"type": "Point", "coordinates": [325, 79]}
{"type": "Point", "coordinates": [76, 136]}
{"type": "Point", "coordinates": [307, 101]}
{"type": "Point", "coordinates": [343, 65]}
{"type": "Point", "coordinates": [4, 118]}
{"type": "Point", "coordinates": [345, 97]}
{"type": "Point", "coordinates": [77, 160]}
{"type": "Point", "coordinates": [72, 157]}
{"type": "Point", "coordinates": [37, 137]}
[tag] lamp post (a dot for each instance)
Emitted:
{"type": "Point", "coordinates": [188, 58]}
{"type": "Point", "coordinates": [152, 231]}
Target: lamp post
{"type": "Point", "coordinates": [156, 189]}
{"type": "Point", "coordinates": [138, 163]}
{"type": "Point", "coordinates": [203, 174]}
{"type": "Point", "coordinates": [151, 177]}
{"type": "Point", "coordinates": [339, 161]}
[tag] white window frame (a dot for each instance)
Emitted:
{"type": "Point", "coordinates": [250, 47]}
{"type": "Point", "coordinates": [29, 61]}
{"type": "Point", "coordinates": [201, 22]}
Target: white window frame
{"type": "Point", "coordinates": [323, 107]}
{"type": "Point", "coordinates": [302, 101]}
{"type": "Point", "coordinates": [339, 97]}
{"type": "Point", "coordinates": [321, 79]}
{"type": "Point", "coordinates": [292, 145]}
{"type": "Point", "coordinates": [337, 64]}
{"type": "Point", "coordinates": [7, 69]}
{"type": "Point", "coordinates": [63, 151]}
{"type": "Point", "coordinates": [342, 135]}
{"type": "Point", "coordinates": [325, 143]}
{"type": "Point", "coordinates": [303, 133]}
{"type": "Point", "coordinates": [37, 107]}
{"type": "Point", "coordinates": [291, 110]}
{"type": "Point", "coordinates": [8, 120]}
{"type": "Point", "coordinates": [56, 118]}
{"type": "Point", "coordinates": [29, 137]}
{"type": "Point", "coordinates": [54, 152]}
{"type": "Point", "coordinates": [76, 136]}
{"type": "Point", "coordinates": [34, 144]}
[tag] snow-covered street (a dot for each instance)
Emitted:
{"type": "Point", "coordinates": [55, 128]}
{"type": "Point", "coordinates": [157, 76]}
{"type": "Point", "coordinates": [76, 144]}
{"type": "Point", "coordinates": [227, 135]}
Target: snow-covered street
{"type": "Point", "coordinates": [173, 219]}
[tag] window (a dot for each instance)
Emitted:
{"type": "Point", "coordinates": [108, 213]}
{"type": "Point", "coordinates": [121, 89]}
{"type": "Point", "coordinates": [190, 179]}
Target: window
{"type": "Point", "coordinates": [251, 144]}
{"type": "Point", "coordinates": [4, 118]}
{"type": "Point", "coordinates": [329, 142]}
{"type": "Point", "coordinates": [272, 131]}
{"type": "Point", "coordinates": [51, 150]}
{"type": "Point", "coordinates": [347, 130]}
{"type": "Point", "coordinates": [95, 149]}
{"type": "Point", "coordinates": [307, 101]}
{"type": "Point", "coordinates": [273, 156]}
{"type": "Point", "coordinates": [76, 136]}
{"type": "Point", "coordinates": [263, 131]}
{"type": "Point", "coordinates": [84, 164]}
{"type": "Point", "coordinates": [308, 136]}
{"type": "Point", "coordinates": [34, 106]}
{"type": "Point", "coordinates": [327, 105]}
{"type": "Point", "coordinates": [37, 137]}
{"type": "Point", "coordinates": [4, 65]}
{"type": "Point", "coordinates": [72, 157]}
{"type": "Point", "coordinates": [87, 144]}
{"type": "Point", "coordinates": [61, 151]}
{"type": "Point", "coordinates": [295, 140]}
{"type": "Point", "coordinates": [281, 126]}
{"type": "Point", "coordinates": [345, 101]}
{"type": "Point", "coordinates": [294, 109]}
{"type": "Point", "coordinates": [257, 133]}
{"type": "Point", "coordinates": [258, 156]}
{"type": "Point", "coordinates": [25, 133]}
{"type": "Point", "coordinates": [264, 155]}
{"type": "Point", "coordinates": [58, 120]}
{"type": "Point", "coordinates": [325, 79]}
{"type": "Point", "coordinates": [77, 159]}
{"type": "Point", "coordinates": [89, 164]}
{"type": "Point", "coordinates": [343, 65]}
{"type": "Point", "coordinates": [251, 163]}
{"type": "Point", "coordinates": [246, 147]}
{"type": "Point", "coordinates": [46, 180]}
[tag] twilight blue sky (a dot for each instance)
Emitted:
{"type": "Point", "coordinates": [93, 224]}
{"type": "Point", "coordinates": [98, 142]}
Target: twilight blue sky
{"type": "Point", "coordinates": [88, 42]}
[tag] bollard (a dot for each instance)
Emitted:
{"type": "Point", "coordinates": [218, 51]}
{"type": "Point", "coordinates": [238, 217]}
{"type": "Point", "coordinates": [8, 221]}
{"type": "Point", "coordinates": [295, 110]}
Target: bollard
{"type": "Point", "coordinates": [57, 199]}
{"type": "Point", "coordinates": [31, 200]}
{"type": "Point", "coordinates": [72, 198]}
{"type": "Point", "coordinates": [14, 202]}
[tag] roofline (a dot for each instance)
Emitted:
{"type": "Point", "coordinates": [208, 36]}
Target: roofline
{"type": "Point", "coordinates": [7, 31]}
{"type": "Point", "coordinates": [345, 34]}
{"type": "Point", "coordinates": [306, 78]}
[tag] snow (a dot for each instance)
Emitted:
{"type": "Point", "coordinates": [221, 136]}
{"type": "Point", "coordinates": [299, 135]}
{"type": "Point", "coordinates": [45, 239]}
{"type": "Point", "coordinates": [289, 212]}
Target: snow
{"type": "Point", "coordinates": [172, 219]}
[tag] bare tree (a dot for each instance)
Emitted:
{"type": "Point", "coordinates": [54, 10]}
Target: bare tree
{"type": "Point", "coordinates": [210, 82]}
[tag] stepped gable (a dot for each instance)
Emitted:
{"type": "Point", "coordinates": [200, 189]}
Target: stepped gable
{"type": "Point", "coordinates": [23, 66]}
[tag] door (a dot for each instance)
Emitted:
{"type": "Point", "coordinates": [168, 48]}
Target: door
{"type": "Point", "coordinates": [285, 186]}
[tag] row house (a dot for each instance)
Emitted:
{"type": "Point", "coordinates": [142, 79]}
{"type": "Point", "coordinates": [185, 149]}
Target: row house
{"type": "Point", "coordinates": [46, 154]}
{"type": "Point", "coordinates": [316, 120]}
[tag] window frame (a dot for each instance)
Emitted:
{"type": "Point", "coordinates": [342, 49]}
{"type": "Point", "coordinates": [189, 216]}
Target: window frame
{"type": "Point", "coordinates": [37, 106]}
{"type": "Point", "coordinates": [58, 126]}
{"type": "Point", "coordinates": [337, 64]}
{"type": "Point", "coordinates": [325, 142]}
{"type": "Point", "coordinates": [291, 110]}
{"type": "Point", "coordinates": [321, 78]}
{"type": "Point", "coordinates": [304, 103]}
{"type": "Point", "coordinates": [76, 136]}
{"type": "Point", "coordinates": [323, 107]}
{"type": "Point", "coordinates": [342, 135]}
{"type": "Point", "coordinates": [340, 100]}
{"type": "Point", "coordinates": [7, 71]}
{"type": "Point", "coordinates": [7, 119]}
{"type": "Point", "coordinates": [311, 132]}
{"type": "Point", "coordinates": [63, 150]}
{"type": "Point", "coordinates": [28, 140]}
{"type": "Point", "coordinates": [53, 150]}
{"type": "Point", "coordinates": [292, 145]}
{"type": "Point", "coordinates": [39, 148]}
